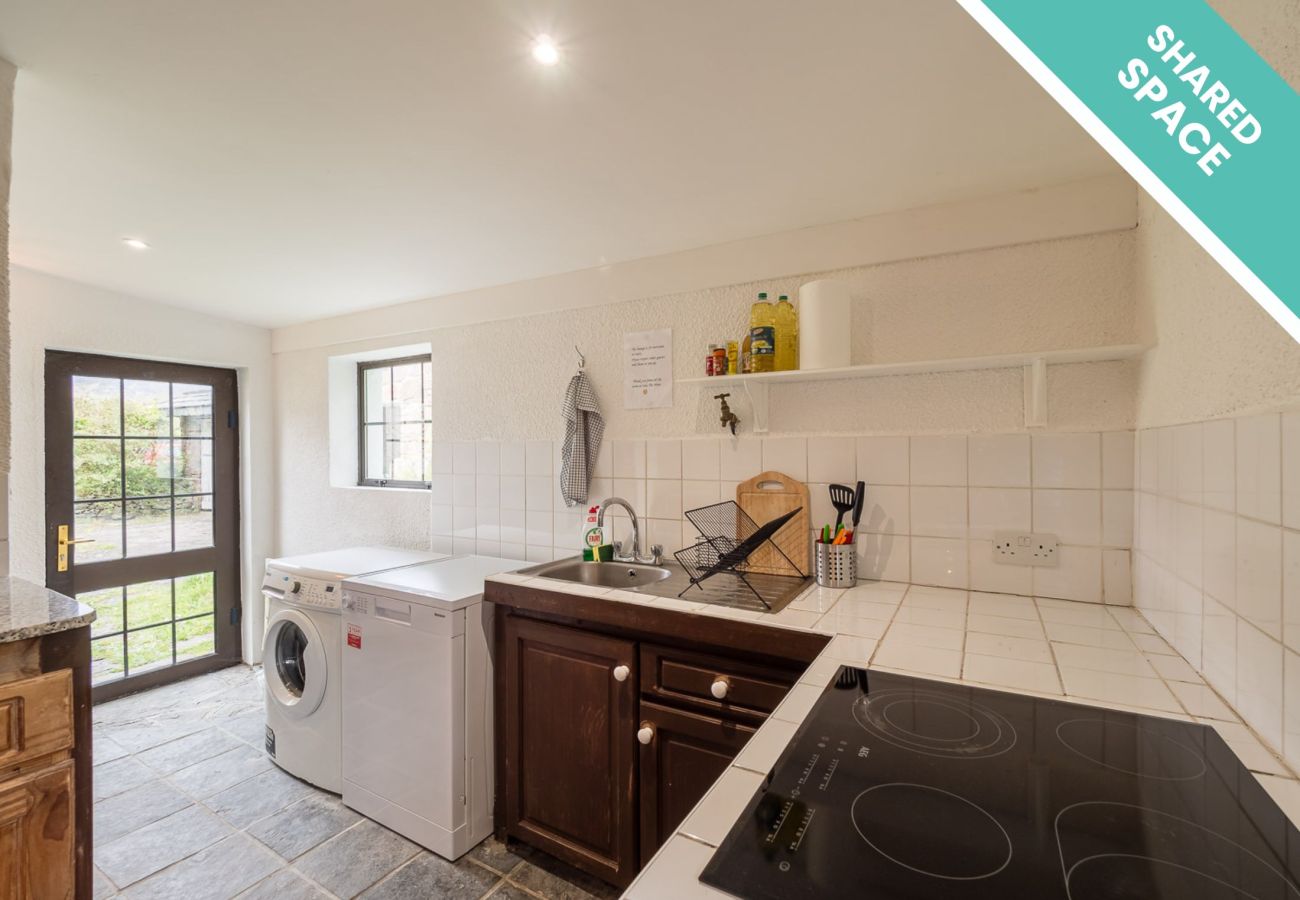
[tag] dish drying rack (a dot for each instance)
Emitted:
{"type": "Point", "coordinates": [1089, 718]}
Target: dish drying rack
{"type": "Point", "coordinates": [729, 537]}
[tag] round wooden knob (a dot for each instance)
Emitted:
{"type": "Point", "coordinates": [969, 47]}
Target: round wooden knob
{"type": "Point", "coordinates": [621, 673]}
{"type": "Point", "coordinates": [646, 734]}
{"type": "Point", "coordinates": [719, 688]}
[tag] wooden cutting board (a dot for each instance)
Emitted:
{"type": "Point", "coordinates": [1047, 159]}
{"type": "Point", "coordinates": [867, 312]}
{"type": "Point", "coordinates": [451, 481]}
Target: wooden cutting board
{"type": "Point", "coordinates": [764, 498]}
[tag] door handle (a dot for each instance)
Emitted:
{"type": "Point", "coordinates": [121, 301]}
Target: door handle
{"type": "Point", "coordinates": [64, 543]}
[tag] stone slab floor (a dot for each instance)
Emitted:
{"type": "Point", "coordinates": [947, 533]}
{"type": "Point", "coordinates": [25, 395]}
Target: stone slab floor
{"type": "Point", "coordinates": [187, 805]}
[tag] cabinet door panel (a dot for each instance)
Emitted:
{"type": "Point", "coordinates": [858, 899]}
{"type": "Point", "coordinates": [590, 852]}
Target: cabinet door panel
{"type": "Point", "coordinates": [37, 835]}
{"type": "Point", "coordinates": [685, 756]}
{"type": "Point", "coordinates": [570, 732]}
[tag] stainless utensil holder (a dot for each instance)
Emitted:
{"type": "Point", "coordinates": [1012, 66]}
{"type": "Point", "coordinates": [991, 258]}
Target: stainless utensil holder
{"type": "Point", "coordinates": [836, 565]}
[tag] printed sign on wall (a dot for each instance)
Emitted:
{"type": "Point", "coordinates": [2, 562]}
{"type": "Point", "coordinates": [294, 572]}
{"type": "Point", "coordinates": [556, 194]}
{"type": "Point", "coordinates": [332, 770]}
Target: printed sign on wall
{"type": "Point", "coordinates": [648, 369]}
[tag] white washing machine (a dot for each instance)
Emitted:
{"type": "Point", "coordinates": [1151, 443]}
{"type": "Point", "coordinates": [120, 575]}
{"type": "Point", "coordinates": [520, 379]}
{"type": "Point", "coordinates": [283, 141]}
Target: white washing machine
{"type": "Point", "coordinates": [417, 692]}
{"type": "Point", "coordinates": [301, 655]}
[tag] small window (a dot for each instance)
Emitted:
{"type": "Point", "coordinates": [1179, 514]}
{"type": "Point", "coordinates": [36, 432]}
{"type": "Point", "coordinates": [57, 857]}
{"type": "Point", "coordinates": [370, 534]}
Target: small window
{"type": "Point", "coordinates": [396, 421]}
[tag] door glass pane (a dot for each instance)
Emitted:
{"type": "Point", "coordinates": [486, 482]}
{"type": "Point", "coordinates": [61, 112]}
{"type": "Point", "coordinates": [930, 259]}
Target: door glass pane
{"type": "Point", "coordinates": [192, 410]}
{"type": "Point", "coordinates": [149, 648]}
{"type": "Point", "coordinates": [148, 527]}
{"type": "Point", "coordinates": [148, 408]}
{"type": "Point", "coordinates": [148, 467]}
{"type": "Point", "coordinates": [192, 466]}
{"type": "Point", "coordinates": [194, 522]}
{"type": "Point", "coordinates": [97, 468]}
{"type": "Point", "coordinates": [408, 392]}
{"type": "Point", "coordinates": [195, 638]}
{"type": "Point", "coordinates": [108, 606]}
{"type": "Point", "coordinates": [148, 603]}
{"type": "Point", "coordinates": [194, 595]}
{"type": "Point", "coordinates": [96, 405]}
{"type": "Point", "coordinates": [107, 659]}
{"type": "Point", "coordinates": [102, 523]}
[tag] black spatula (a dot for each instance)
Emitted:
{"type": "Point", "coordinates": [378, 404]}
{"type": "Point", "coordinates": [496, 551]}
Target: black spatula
{"type": "Point", "coordinates": [842, 500]}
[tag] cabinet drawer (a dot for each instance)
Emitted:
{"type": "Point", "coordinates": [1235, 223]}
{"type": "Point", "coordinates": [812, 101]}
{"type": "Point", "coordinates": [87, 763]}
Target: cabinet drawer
{"type": "Point", "coordinates": [35, 717]}
{"type": "Point", "coordinates": [749, 691]}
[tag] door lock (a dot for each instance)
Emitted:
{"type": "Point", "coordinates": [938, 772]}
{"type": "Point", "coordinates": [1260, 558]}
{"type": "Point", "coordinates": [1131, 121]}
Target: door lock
{"type": "Point", "coordinates": [64, 543]}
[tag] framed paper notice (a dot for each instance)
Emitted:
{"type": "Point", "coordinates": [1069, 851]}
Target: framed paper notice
{"type": "Point", "coordinates": [648, 369]}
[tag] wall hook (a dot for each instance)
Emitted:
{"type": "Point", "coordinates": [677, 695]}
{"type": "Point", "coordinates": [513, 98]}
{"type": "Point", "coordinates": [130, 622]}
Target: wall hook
{"type": "Point", "coordinates": [582, 360]}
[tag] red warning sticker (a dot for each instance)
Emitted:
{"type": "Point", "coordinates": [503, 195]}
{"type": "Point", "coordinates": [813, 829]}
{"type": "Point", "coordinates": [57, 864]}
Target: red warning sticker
{"type": "Point", "coordinates": [354, 636]}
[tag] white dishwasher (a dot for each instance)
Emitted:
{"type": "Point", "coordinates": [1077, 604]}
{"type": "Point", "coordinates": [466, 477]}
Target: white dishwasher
{"type": "Point", "coordinates": [417, 701]}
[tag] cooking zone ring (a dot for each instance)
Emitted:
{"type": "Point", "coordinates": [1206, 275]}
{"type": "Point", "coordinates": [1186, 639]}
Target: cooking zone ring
{"type": "Point", "coordinates": [934, 724]}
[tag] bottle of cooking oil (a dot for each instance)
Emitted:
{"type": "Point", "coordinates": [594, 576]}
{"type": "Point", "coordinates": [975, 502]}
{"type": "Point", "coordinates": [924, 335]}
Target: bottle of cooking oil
{"type": "Point", "coordinates": [762, 333]}
{"type": "Point", "coordinates": [787, 335]}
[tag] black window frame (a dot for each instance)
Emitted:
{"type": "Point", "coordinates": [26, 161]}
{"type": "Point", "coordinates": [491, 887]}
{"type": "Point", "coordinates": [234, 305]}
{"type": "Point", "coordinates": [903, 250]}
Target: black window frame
{"type": "Point", "coordinates": [362, 423]}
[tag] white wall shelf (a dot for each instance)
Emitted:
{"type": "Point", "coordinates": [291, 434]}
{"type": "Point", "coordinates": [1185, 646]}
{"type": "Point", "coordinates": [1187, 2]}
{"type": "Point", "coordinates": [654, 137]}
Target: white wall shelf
{"type": "Point", "coordinates": [1034, 365]}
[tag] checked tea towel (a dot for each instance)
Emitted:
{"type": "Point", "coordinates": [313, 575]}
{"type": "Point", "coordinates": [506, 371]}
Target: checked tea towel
{"type": "Point", "coordinates": [584, 426]}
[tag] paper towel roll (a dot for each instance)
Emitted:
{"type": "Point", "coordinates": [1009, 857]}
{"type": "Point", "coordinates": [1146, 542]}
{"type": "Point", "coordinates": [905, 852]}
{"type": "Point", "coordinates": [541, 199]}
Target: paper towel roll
{"type": "Point", "coordinates": [825, 324]}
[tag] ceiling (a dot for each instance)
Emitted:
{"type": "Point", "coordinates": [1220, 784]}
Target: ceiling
{"type": "Point", "coordinates": [294, 159]}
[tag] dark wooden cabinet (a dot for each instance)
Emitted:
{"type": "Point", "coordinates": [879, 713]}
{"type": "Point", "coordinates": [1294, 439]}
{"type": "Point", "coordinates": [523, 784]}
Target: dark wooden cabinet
{"type": "Point", "coordinates": [37, 834]}
{"type": "Point", "coordinates": [682, 754]}
{"type": "Point", "coordinates": [570, 760]}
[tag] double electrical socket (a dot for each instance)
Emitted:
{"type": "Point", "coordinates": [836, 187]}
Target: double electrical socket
{"type": "Point", "coordinates": [1017, 548]}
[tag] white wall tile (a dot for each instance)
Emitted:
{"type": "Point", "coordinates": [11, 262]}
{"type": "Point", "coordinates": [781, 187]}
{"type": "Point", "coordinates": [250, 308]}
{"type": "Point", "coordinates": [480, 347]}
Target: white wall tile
{"type": "Point", "coordinates": [1291, 710]}
{"type": "Point", "coordinates": [440, 519]}
{"type": "Point", "coordinates": [487, 524]}
{"type": "Point", "coordinates": [464, 522]}
{"type": "Point", "coordinates": [442, 543]}
{"type": "Point", "coordinates": [1067, 460]}
{"type": "Point", "coordinates": [511, 551]}
{"type": "Point", "coordinates": [487, 491]}
{"type": "Point", "coordinates": [1189, 451]}
{"type": "Point", "coordinates": [884, 557]}
{"type": "Point", "coordinates": [539, 554]}
{"type": "Point", "coordinates": [1291, 469]}
{"type": "Point", "coordinates": [1116, 577]}
{"type": "Point", "coordinates": [441, 453]}
{"type": "Point", "coordinates": [633, 490]}
{"type": "Point", "coordinates": [440, 488]}
{"type": "Point", "coordinates": [664, 500]}
{"type": "Point", "coordinates": [487, 456]}
{"type": "Point", "coordinates": [1073, 516]}
{"type": "Point", "coordinates": [938, 460]}
{"type": "Point", "coordinates": [999, 509]}
{"type": "Point", "coordinates": [988, 575]}
{"type": "Point", "coordinates": [788, 455]}
{"type": "Point", "coordinates": [539, 527]}
{"type": "Point", "coordinates": [514, 458]}
{"type": "Point", "coordinates": [1219, 660]}
{"type": "Point", "coordinates": [1219, 565]}
{"type": "Point", "coordinates": [832, 460]}
{"type": "Point", "coordinates": [1291, 589]}
{"type": "Point", "coordinates": [513, 493]}
{"type": "Point", "coordinates": [464, 546]}
{"type": "Point", "coordinates": [999, 460]}
{"type": "Point", "coordinates": [1149, 461]}
{"type": "Point", "coordinates": [514, 528]}
{"type": "Point", "coordinates": [629, 459]}
{"type": "Point", "coordinates": [1167, 451]}
{"type": "Point", "coordinates": [1219, 464]}
{"type": "Point", "coordinates": [940, 561]}
{"type": "Point", "coordinates": [938, 511]}
{"type": "Point", "coordinates": [883, 460]}
{"type": "Point", "coordinates": [1117, 518]}
{"type": "Point", "coordinates": [1118, 454]}
{"type": "Point", "coordinates": [1189, 547]}
{"type": "Point", "coordinates": [740, 458]}
{"type": "Point", "coordinates": [1259, 683]}
{"type": "Point", "coordinates": [463, 489]}
{"type": "Point", "coordinates": [1259, 467]}
{"type": "Point", "coordinates": [1259, 575]}
{"type": "Point", "coordinates": [604, 467]}
{"type": "Point", "coordinates": [700, 459]}
{"type": "Point", "coordinates": [886, 510]}
{"type": "Point", "coordinates": [663, 459]}
{"type": "Point", "coordinates": [463, 457]}
{"type": "Point", "coordinates": [539, 493]}
{"type": "Point", "coordinates": [667, 533]}
{"type": "Point", "coordinates": [538, 460]}
{"type": "Point", "coordinates": [1077, 577]}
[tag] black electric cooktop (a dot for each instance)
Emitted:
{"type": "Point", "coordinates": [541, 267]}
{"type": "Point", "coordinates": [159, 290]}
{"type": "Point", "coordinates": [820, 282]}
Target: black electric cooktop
{"type": "Point", "coordinates": [898, 787]}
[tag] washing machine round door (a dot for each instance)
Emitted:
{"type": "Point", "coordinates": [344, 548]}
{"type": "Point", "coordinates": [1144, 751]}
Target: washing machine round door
{"type": "Point", "coordinates": [294, 660]}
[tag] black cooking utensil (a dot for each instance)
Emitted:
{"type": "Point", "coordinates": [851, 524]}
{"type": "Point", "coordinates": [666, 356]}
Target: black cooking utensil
{"type": "Point", "coordinates": [860, 494]}
{"type": "Point", "coordinates": [842, 500]}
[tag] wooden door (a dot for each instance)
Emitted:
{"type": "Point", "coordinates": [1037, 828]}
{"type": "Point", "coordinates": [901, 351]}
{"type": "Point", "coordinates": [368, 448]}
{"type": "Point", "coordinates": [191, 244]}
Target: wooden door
{"type": "Point", "coordinates": [687, 752]}
{"type": "Point", "coordinates": [142, 513]}
{"type": "Point", "coordinates": [570, 730]}
{"type": "Point", "coordinates": [37, 835]}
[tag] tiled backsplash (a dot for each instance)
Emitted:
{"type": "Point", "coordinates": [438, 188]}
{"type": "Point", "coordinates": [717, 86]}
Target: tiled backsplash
{"type": "Point", "coordinates": [933, 502]}
{"type": "Point", "coordinates": [1217, 564]}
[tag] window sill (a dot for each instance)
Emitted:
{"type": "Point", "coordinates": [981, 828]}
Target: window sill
{"type": "Point", "coordinates": [383, 490]}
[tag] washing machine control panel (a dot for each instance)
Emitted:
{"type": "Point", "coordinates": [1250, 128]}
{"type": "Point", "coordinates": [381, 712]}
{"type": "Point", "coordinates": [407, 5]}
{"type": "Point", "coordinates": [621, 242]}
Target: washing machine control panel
{"type": "Point", "coordinates": [305, 591]}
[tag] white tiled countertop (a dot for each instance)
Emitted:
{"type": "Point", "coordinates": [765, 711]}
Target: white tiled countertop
{"type": "Point", "coordinates": [1088, 653]}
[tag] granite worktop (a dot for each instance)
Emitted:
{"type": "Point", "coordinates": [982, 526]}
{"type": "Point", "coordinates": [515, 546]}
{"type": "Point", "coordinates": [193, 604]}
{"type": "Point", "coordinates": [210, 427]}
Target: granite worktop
{"type": "Point", "coordinates": [28, 610]}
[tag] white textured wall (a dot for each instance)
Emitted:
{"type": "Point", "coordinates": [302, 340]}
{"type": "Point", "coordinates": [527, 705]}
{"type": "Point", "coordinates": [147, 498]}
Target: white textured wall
{"type": "Point", "coordinates": [7, 73]}
{"type": "Point", "coordinates": [52, 313]}
{"type": "Point", "coordinates": [504, 380]}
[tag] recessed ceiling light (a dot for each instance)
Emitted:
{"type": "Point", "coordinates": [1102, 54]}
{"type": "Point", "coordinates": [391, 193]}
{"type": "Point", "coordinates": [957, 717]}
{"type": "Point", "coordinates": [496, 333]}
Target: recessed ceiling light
{"type": "Point", "coordinates": [545, 51]}
{"type": "Point", "coordinates": [135, 243]}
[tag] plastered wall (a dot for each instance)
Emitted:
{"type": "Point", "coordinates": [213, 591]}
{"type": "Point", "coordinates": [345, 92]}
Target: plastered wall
{"type": "Point", "coordinates": [7, 73]}
{"type": "Point", "coordinates": [52, 313]}
{"type": "Point", "coordinates": [504, 380]}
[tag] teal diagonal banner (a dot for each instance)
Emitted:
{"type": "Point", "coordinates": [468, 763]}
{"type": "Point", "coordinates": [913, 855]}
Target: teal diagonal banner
{"type": "Point", "coordinates": [1190, 110]}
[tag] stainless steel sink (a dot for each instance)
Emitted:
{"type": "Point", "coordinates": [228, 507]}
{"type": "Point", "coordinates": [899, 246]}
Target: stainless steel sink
{"type": "Point", "coordinates": [628, 576]}
{"type": "Point", "coordinates": [671, 580]}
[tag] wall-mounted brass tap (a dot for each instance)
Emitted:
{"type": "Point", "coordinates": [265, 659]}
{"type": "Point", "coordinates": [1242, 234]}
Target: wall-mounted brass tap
{"type": "Point", "coordinates": [728, 417]}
